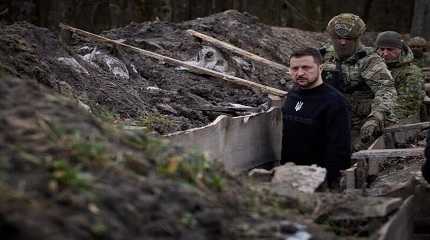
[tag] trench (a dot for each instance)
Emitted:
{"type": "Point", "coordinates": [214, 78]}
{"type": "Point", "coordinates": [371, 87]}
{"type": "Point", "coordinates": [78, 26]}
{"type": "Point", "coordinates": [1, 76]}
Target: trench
{"type": "Point", "coordinates": [393, 169]}
{"type": "Point", "coordinates": [247, 142]}
{"type": "Point", "coordinates": [411, 221]}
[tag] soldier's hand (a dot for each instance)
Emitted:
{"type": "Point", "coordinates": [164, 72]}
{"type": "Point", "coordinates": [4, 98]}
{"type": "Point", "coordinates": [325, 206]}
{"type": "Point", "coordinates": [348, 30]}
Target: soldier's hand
{"type": "Point", "coordinates": [370, 130]}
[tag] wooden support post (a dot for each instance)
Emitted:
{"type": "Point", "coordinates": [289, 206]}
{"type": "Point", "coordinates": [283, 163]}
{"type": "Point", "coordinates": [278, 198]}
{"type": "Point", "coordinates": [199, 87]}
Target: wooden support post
{"type": "Point", "coordinates": [237, 50]}
{"type": "Point", "coordinates": [350, 177]}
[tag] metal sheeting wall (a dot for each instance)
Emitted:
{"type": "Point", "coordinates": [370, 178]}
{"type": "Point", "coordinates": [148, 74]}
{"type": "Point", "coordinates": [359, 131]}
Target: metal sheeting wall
{"type": "Point", "coordinates": [241, 143]}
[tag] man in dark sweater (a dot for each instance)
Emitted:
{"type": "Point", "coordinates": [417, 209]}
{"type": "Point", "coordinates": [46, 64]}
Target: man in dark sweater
{"type": "Point", "coordinates": [316, 118]}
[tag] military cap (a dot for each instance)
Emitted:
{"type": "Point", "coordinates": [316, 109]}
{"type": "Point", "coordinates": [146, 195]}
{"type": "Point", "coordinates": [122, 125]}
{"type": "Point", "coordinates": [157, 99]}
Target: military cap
{"type": "Point", "coordinates": [389, 39]}
{"type": "Point", "coordinates": [417, 42]}
{"type": "Point", "coordinates": [346, 25]}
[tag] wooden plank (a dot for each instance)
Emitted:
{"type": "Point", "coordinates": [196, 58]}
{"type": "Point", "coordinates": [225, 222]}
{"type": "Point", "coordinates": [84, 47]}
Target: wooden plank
{"type": "Point", "coordinates": [237, 50]}
{"type": "Point", "coordinates": [407, 127]}
{"type": "Point", "coordinates": [378, 143]}
{"type": "Point", "coordinates": [190, 67]}
{"type": "Point", "coordinates": [381, 154]}
{"type": "Point", "coordinates": [4, 11]}
{"type": "Point", "coordinates": [350, 177]}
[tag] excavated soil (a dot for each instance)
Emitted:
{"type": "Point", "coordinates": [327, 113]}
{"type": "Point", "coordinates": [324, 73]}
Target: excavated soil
{"type": "Point", "coordinates": [396, 174]}
{"type": "Point", "coordinates": [66, 175]}
{"type": "Point", "coordinates": [126, 87]}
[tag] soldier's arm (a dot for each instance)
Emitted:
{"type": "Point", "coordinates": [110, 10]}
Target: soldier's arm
{"type": "Point", "coordinates": [380, 81]}
{"type": "Point", "coordinates": [410, 92]}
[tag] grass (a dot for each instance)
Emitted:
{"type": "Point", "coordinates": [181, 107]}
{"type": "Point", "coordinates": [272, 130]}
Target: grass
{"type": "Point", "coordinates": [155, 121]}
{"type": "Point", "coordinates": [65, 175]}
{"type": "Point", "coordinates": [104, 114]}
{"type": "Point", "coordinates": [195, 169]}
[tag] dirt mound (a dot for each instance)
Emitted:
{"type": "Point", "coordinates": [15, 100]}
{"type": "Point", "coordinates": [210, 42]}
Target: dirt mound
{"type": "Point", "coordinates": [65, 175]}
{"type": "Point", "coordinates": [126, 87]}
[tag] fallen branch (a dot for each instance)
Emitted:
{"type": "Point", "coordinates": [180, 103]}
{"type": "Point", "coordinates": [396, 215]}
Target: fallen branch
{"type": "Point", "coordinates": [190, 67]}
{"type": "Point", "coordinates": [237, 50]}
{"type": "Point", "coordinates": [4, 11]}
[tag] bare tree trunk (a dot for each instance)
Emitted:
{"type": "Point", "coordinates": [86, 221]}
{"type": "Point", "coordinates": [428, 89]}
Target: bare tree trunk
{"type": "Point", "coordinates": [421, 19]}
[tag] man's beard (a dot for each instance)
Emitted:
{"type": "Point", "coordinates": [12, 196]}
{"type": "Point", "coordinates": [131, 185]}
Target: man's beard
{"type": "Point", "coordinates": [392, 62]}
{"type": "Point", "coordinates": [308, 83]}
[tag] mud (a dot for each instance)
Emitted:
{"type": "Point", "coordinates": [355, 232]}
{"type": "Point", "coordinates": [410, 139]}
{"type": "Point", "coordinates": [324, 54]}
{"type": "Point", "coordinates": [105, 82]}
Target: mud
{"type": "Point", "coordinates": [128, 88]}
{"type": "Point", "coordinates": [395, 175]}
{"type": "Point", "coordinates": [66, 175]}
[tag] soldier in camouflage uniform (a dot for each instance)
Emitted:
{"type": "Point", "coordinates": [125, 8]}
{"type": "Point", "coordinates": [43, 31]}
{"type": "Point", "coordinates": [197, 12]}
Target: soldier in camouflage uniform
{"type": "Point", "coordinates": [419, 48]}
{"type": "Point", "coordinates": [361, 74]}
{"type": "Point", "coordinates": [408, 77]}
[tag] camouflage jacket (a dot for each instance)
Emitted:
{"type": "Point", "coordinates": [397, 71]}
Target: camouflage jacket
{"type": "Point", "coordinates": [423, 61]}
{"type": "Point", "coordinates": [409, 83]}
{"type": "Point", "coordinates": [367, 83]}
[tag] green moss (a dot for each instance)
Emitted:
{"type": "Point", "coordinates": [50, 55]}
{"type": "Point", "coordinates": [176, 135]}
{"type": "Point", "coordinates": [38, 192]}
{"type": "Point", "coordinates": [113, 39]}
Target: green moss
{"type": "Point", "coordinates": [191, 167]}
{"type": "Point", "coordinates": [69, 176]}
{"type": "Point", "coordinates": [78, 148]}
{"type": "Point", "coordinates": [88, 150]}
{"type": "Point", "coordinates": [99, 230]}
{"type": "Point", "coordinates": [194, 168]}
{"type": "Point", "coordinates": [104, 114]}
{"type": "Point", "coordinates": [153, 147]}
{"type": "Point", "coordinates": [156, 121]}
{"type": "Point", "coordinates": [188, 220]}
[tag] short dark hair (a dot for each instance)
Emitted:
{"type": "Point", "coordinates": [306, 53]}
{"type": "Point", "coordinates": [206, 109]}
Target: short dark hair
{"type": "Point", "coordinates": [313, 52]}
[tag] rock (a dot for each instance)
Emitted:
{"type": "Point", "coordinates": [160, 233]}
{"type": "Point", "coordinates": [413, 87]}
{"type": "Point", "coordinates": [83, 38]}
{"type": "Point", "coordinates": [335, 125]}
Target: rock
{"type": "Point", "coordinates": [65, 89]}
{"type": "Point", "coordinates": [300, 236]}
{"type": "Point", "coordinates": [303, 178]}
{"type": "Point", "coordinates": [381, 207]}
{"type": "Point", "coordinates": [73, 64]}
{"type": "Point", "coordinates": [283, 81]}
{"type": "Point", "coordinates": [354, 213]}
{"type": "Point", "coordinates": [166, 108]}
{"type": "Point", "coordinates": [261, 174]}
{"type": "Point", "coordinates": [108, 63]}
{"type": "Point", "coordinates": [245, 65]}
{"type": "Point", "coordinates": [210, 58]}
{"type": "Point", "coordinates": [84, 106]}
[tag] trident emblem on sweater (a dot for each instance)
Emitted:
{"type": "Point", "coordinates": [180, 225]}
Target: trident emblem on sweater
{"type": "Point", "coordinates": [298, 106]}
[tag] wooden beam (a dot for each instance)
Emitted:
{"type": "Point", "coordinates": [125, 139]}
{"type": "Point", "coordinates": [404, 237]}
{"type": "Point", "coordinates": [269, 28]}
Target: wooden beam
{"type": "Point", "coordinates": [237, 50]}
{"type": "Point", "coordinates": [381, 154]}
{"type": "Point", "coordinates": [407, 127]}
{"type": "Point", "coordinates": [190, 67]}
{"type": "Point", "coordinates": [4, 11]}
